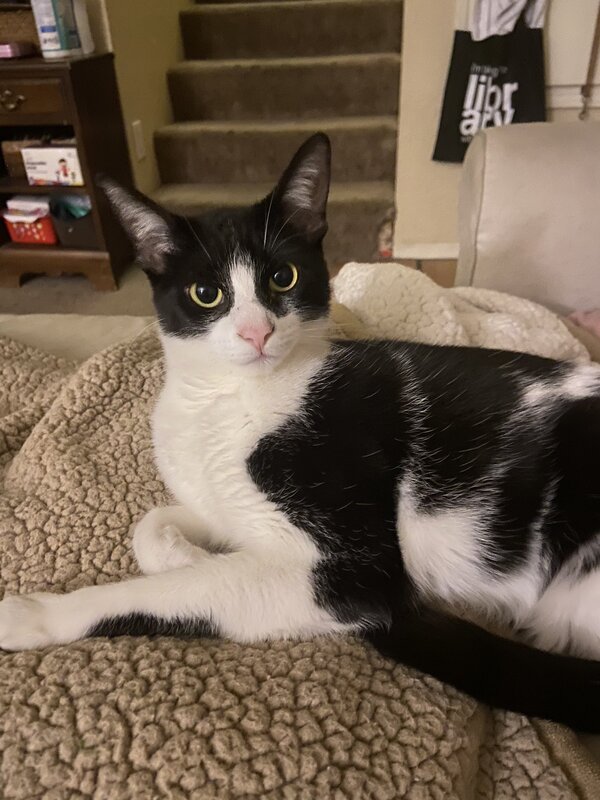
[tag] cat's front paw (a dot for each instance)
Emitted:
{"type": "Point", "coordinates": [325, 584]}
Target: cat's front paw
{"type": "Point", "coordinates": [24, 621]}
{"type": "Point", "coordinates": [161, 547]}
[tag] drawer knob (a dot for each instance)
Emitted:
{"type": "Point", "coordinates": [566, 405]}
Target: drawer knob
{"type": "Point", "coordinates": [11, 101]}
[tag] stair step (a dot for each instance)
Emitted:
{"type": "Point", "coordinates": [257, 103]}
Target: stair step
{"type": "Point", "coordinates": [355, 211]}
{"type": "Point", "coordinates": [364, 149]}
{"type": "Point", "coordinates": [291, 88]}
{"type": "Point", "coordinates": [284, 29]}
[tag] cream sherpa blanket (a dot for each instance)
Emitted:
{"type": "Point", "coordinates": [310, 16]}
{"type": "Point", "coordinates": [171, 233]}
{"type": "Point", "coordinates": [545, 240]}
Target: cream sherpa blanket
{"type": "Point", "coordinates": [397, 302]}
{"type": "Point", "coordinates": [173, 718]}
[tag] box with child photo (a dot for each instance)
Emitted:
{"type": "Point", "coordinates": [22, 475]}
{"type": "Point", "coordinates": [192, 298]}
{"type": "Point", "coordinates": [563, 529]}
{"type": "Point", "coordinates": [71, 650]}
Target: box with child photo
{"type": "Point", "coordinates": [52, 166]}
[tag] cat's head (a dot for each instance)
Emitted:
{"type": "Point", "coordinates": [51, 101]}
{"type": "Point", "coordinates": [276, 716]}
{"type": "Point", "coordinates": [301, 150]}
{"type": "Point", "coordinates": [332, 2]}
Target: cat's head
{"type": "Point", "coordinates": [240, 286]}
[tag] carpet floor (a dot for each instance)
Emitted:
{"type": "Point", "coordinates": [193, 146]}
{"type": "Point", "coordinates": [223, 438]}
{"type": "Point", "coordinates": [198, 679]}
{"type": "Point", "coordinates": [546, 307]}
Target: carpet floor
{"type": "Point", "coordinates": [75, 295]}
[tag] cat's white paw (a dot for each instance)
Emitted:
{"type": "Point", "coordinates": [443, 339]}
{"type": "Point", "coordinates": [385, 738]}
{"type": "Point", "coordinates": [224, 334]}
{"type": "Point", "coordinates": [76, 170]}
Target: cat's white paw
{"type": "Point", "coordinates": [162, 548]}
{"type": "Point", "coordinates": [25, 621]}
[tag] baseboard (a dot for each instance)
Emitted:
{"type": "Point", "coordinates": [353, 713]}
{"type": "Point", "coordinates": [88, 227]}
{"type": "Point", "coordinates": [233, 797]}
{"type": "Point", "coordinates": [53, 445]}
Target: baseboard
{"type": "Point", "coordinates": [570, 97]}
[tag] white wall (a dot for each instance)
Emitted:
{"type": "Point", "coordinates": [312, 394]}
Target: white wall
{"type": "Point", "coordinates": [426, 191]}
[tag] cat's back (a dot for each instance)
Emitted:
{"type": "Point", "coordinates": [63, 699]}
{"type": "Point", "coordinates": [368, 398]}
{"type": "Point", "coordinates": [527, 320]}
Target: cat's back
{"type": "Point", "coordinates": [456, 380]}
{"type": "Point", "coordinates": [457, 412]}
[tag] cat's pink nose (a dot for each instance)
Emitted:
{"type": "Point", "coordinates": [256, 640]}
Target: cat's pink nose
{"type": "Point", "coordinates": [257, 335]}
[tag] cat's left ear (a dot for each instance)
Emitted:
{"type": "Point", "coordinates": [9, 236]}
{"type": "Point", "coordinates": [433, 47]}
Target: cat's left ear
{"type": "Point", "coordinates": [149, 227]}
{"type": "Point", "coordinates": [303, 188]}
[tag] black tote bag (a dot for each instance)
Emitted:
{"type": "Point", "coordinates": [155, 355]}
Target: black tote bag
{"type": "Point", "coordinates": [495, 81]}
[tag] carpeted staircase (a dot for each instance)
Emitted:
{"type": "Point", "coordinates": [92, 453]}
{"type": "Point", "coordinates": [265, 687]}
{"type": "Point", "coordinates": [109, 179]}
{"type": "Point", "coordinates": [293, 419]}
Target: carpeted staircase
{"type": "Point", "coordinates": [259, 78]}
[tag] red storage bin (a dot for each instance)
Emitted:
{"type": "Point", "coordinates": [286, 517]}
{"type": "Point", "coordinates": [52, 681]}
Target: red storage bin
{"type": "Point", "coordinates": [40, 231]}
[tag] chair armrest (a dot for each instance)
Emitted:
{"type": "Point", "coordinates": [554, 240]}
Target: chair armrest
{"type": "Point", "coordinates": [529, 213]}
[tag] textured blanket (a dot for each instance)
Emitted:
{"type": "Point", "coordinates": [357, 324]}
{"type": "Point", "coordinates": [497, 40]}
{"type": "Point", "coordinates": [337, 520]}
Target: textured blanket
{"type": "Point", "coordinates": [397, 302]}
{"type": "Point", "coordinates": [175, 718]}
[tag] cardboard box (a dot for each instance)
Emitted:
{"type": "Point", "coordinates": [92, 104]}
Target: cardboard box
{"type": "Point", "coordinates": [11, 150]}
{"type": "Point", "coordinates": [52, 166]}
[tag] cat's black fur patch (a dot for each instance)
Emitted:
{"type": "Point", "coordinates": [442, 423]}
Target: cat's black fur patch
{"type": "Point", "coordinates": [576, 514]}
{"type": "Point", "coordinates": [148, 625]}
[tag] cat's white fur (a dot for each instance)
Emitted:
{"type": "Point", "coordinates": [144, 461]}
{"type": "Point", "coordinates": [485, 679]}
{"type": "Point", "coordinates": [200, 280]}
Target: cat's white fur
{"type": "Point", "coordinates": [582, 381]}
{"type": "Point", "coordinates": [444, 553]}
{"type": "Point", "coordinates": [219, 399]}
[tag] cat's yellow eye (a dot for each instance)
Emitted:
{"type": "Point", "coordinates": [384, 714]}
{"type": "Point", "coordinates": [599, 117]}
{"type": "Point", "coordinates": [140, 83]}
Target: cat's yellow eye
{"type": "Point", "coordinates": [205, 296]}
{"type": "Point", "coordinates": [284, 279]}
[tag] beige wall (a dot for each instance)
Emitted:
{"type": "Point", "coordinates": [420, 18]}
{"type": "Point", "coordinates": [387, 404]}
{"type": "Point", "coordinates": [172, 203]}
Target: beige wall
{"type": "Point", "coordinates": [426, 192]}
{"type": "Point", "coordinates": [145, 38]}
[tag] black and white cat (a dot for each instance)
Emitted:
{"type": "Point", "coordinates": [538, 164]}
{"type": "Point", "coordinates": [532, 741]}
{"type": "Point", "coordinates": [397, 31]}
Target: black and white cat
{"type": "Point", "coordinates": [327, 487]}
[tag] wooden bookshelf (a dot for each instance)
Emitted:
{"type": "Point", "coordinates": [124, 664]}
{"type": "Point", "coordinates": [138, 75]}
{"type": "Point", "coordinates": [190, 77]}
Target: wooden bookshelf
{"type": "Point", "coordinates": [77, 97]}
{"type": "Point", "coordinates": [9, 185]}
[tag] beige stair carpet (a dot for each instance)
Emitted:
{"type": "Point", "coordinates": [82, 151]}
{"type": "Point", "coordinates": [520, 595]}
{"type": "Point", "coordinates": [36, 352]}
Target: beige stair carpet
{"type": "Point", "coordinates": [258, 78]}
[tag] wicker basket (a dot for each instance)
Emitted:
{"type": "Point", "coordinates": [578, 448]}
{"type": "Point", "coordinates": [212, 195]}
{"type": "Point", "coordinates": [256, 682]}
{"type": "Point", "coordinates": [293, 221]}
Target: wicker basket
{"type": "Point", "coordinates": [11, 150]}
{"type": "Point", "coordinates": [18, 26]}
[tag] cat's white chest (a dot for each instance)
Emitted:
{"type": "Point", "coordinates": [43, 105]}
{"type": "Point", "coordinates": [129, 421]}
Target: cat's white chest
{"type": "Point", "coordinates": [201, 445]}
{"type": "Point", "coordinates": [202, 440]}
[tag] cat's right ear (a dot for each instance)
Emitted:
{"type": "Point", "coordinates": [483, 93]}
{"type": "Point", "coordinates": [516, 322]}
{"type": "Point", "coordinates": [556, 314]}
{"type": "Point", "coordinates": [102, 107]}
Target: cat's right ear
{"type": "Point", "coordinates": [149, 227]}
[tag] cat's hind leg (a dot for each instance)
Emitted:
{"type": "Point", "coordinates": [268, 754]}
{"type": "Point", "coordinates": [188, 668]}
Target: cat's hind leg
{"type": "Point", "coordinates": [566, 618]}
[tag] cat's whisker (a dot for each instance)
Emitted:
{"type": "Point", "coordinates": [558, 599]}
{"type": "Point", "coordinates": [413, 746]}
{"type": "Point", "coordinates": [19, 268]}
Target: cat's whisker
{"type": "Point", "coordinates": [273, 242]}
{"type": "Point", "coordinates": [267, 220]}
{"type": "Point", "coordinates": [134, 338]}
{"type": "Point", "coordinates": [198, 239]}
{"type": "Point", "coordinates": [285, 241]}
